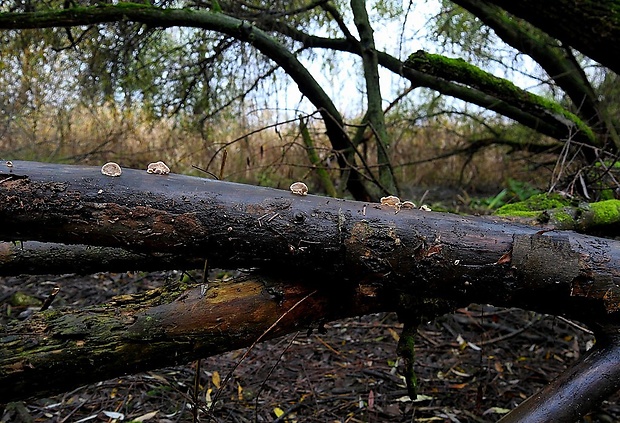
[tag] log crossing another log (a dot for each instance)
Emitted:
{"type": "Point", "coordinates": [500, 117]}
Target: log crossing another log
{"type": "Point", "coordinates": [465, 259]}
{"type": "Point", "coordinates": [313, 259]}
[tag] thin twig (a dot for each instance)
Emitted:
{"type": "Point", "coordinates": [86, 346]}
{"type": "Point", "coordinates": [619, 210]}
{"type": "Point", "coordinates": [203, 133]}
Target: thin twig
{"type": "Point", "coordinates": [259, 339]}
{"type": "Point", "coordinates": [262, 385]}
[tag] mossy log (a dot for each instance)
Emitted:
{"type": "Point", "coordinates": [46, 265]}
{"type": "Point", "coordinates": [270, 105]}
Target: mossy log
{"type": "Point", "coordinates": [59, 350]}
{"type": "Point", "coordinates": [458, 70]}
{"type": "Point", "coordinates": [553, 211]}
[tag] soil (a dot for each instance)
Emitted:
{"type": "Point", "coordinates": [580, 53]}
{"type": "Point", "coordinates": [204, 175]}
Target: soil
{"type": "Point", "coordinates": [472, 366]}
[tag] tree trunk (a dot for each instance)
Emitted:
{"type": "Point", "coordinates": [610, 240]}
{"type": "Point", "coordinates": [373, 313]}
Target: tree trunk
{"type": "Point", "coordinates": [374, 117]}
{"type": "Point", "coordinates": [591, 27]}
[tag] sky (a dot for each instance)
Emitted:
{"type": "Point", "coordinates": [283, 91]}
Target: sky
{"type": "Point", "coordinates": [345, 85]}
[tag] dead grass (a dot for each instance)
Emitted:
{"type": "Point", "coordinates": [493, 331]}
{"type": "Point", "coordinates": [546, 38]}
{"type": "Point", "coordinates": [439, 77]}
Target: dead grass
{"type": "Point", "coordinates": [274, 156]}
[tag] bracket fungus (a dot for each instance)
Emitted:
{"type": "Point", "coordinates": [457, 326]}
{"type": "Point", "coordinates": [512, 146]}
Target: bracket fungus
{"type": "Point", "coordinates": [390, 200]}
{"type": "Point", "coordinates": [299, 188]}
{"type": "Point", "coordinates": [158, 168]}
{"type": "Point", "coordinates": [111, 169]}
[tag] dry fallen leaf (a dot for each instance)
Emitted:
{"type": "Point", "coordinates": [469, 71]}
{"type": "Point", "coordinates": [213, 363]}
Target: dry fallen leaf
{"type": "Point", "coordinates": [215, 378]}
{"type": "Point", "coordinates": [145, 417]}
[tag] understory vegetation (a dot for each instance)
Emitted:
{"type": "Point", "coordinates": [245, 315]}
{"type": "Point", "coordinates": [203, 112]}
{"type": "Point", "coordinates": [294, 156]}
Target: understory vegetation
{"type": "Point", "coordinates": [436, 155]}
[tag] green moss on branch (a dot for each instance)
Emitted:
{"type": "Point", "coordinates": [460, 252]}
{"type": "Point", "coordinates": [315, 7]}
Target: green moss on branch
{"type": "Point", "coordinates": [458, 70]}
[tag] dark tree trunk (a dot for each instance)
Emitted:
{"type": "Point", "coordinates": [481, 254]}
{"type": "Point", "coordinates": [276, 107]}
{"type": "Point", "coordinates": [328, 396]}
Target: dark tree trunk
{"type": "Point", "coordinates": [590, 26]}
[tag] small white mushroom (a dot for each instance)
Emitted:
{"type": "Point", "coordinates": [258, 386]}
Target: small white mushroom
{"type": "Point", "coordinates": [424, 207]}
{"type": "Point", "coordinates": [299, 188]}
{"type": "Point", "coordinates": [407, 205]}
{"type": "Point", "coordinates": [9, 163]}
{"type": "Point", "coordinates": [158, 168]}
{"type": "Point", "coordinates": [390, 200]}
{"type": "Point", "coordinates": [111, 169]}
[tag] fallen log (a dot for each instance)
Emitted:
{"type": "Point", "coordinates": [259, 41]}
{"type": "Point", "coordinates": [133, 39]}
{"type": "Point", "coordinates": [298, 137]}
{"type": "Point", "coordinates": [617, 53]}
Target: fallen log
{"type": "Point", "coordinates": [46, 258]}
{"type": "Point", "coordinates": [58, 350]}
{"type": "Point", "coordinates": [429, 254]}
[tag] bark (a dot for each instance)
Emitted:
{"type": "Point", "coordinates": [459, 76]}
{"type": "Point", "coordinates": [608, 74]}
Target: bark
{"type": "Point", "coordinates": [428, 254]}
{"type": "Point", "coordinates": [42, 258]}
{"type": "Point", "coordinates": [55, 351]}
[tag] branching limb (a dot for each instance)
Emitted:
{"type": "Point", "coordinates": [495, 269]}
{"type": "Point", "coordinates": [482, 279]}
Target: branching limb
{"type": "Point", "coordinates": [537, 118]}
{"type": "Point", "coordinates": [459, 71]}
{"type": "Point", "coordinates": [557, 60]}
{"type": "Point", "coordinates": [597, 22]}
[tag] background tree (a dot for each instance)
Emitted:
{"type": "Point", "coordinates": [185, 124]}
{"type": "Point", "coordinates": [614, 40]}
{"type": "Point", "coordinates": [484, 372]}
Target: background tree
{"type": "Point", "coordinates": [191, 71]}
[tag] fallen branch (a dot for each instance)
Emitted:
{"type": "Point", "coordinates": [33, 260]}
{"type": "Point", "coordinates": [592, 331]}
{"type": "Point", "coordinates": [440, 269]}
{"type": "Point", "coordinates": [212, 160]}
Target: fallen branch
{"type": "Point", "coordinates": [59, 350]}
{"type": "Point", "coordinates": [39, 258]}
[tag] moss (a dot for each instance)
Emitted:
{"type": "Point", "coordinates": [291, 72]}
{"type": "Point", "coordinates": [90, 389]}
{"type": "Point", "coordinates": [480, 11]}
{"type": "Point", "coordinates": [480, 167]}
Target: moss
{"type": "Point", "coordinates": [519, 213]}
{"type": "Point", "coordinates": [608, 194]}
{"type": "Point", "coordinates": [465, 73]}
{"type": "Point", "coordinates": [20, 299]}
{"type": "Point", "coordinates": [533, 205]}
{"type": "Point", "coordinates": [562, 217]}
{"type": "Point", "coordinates": [605, 212]}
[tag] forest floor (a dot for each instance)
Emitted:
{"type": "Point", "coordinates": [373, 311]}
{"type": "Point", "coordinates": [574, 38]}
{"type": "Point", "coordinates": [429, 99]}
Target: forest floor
{"type": "Point", "coordinates": [472, 366]}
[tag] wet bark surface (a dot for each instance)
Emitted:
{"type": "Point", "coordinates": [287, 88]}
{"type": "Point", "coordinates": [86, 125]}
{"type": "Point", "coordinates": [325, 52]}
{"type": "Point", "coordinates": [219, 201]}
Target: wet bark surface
{"type": "Point", "coordinates": [167, 326]}
{"type": "Point", "coordinates": [44, 258]}
{"type": "Point", "coordinates": [463, 259]}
